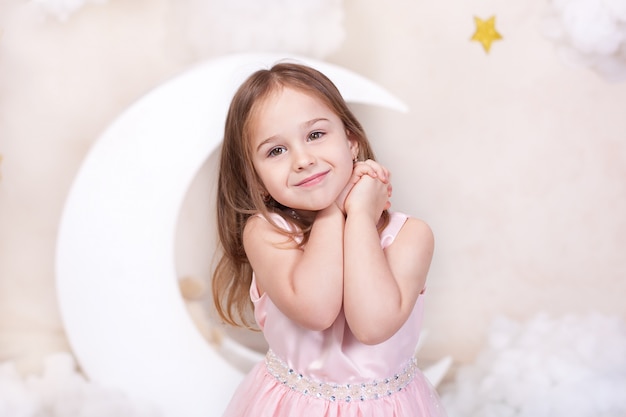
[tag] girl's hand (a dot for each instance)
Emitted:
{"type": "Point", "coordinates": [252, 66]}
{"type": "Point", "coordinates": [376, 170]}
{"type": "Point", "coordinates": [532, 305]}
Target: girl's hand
{"type": "Point", "coordinates": [370, 197]}
{"type": "Point", "coordinates": [366, 169]}
{"type": "Point", "coordinates": [361, 168]}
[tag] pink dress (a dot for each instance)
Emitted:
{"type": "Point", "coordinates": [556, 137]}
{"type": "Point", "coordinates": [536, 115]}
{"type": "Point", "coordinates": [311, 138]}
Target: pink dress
{"type": "Point", "coordinates": [329, 373]}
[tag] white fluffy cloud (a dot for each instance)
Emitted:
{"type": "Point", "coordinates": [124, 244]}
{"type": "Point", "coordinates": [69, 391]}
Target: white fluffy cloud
{"type": "Point", "coordinates": [590, 33]}
{"type": "Point", "coordinates": [62, 9]}
{"type": "Point", "coordinates": [216, 27]}
{"type": "Point", "coordinates": [573, 366]}
{"type": "Point", "coordinates": [61, 391]}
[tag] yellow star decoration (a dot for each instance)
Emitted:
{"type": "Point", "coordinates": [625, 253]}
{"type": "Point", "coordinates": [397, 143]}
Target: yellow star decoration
{"type": "Point", "coordinates": [486, 32]}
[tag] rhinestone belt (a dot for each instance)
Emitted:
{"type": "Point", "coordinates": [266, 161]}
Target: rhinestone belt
{"type": "Point", "coordinates": [339, 392]}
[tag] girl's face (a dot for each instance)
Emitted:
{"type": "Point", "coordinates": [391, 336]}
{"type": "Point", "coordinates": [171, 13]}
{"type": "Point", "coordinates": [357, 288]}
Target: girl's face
{"type": "Point", "coordinates": [301, 150]}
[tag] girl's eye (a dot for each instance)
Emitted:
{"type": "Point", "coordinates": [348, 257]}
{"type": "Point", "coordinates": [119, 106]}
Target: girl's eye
{"type": "Point", "coordinates": [279, 150]}
{"type": "Point", "coordinates": [316, 135]}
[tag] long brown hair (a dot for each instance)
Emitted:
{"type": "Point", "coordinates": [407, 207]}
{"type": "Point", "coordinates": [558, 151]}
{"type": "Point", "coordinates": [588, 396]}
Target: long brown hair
{"type": "Point", "coordinates": [241, 193]}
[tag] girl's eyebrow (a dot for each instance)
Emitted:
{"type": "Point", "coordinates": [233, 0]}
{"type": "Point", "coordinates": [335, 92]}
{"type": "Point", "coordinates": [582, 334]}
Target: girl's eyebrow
{"type": "Point", "coordinates": [258, 148]}
{"type": "Point", "coordinates": [313, 121]}
{"type": "Point", "coordinates": [305, 125]}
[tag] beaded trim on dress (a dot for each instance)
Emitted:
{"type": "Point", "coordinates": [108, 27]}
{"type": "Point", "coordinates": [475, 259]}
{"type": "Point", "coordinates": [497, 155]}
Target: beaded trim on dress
{"type": "Point", "coordinates": [339, 392]}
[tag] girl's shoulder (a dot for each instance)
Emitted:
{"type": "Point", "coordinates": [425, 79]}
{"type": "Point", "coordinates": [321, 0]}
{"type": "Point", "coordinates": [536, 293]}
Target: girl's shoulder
{"type": "Point", "coordinates": [273, 219]}
{"type": "Point", "coordinates": [272, 224]}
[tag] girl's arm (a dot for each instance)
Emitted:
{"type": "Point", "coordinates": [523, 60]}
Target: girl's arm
{"type": "Point", "coordinates": [381, 286]}
{"type": "Point", "coordinates": [306, 284]}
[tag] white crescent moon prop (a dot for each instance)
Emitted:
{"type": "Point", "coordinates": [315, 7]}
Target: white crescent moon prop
{"type": "Point", "coordinates": [117, 288]}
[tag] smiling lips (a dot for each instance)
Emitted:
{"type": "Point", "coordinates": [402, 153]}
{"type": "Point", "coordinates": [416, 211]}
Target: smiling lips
{"type": "Point", "coordinates": [312, 180]}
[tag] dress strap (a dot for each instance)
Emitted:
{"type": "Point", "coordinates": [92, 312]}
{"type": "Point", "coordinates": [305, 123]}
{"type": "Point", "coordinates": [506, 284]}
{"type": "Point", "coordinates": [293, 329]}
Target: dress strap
{"type": "Point", "coordinates": [396, 221]}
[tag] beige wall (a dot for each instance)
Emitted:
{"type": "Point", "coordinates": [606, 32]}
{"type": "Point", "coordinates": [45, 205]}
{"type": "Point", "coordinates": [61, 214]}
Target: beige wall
{"type": "Point", "coordinates": [517, 161]}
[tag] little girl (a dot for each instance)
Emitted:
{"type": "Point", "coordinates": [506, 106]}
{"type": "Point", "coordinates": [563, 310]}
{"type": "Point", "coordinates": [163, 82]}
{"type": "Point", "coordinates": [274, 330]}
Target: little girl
{"type": "Point", "coordinates": [335, 279]}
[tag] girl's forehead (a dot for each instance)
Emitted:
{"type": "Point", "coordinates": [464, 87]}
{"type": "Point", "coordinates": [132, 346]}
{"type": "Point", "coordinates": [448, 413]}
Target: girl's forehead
{"type": "Point", "coordinates": [286, 90]}
{"type": "Point", "coordinates": [278, 94]}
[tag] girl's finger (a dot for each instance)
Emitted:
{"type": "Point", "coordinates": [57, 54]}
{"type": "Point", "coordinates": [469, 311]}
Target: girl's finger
{"type": "Point", "coordinates": [362, 168]}
{"type": "Point", "coordinates": [381, 172]}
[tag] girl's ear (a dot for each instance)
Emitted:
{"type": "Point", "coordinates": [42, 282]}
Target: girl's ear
{"type": "Point", "coordinates": [354, 144]}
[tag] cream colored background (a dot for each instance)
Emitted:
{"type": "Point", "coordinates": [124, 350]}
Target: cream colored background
{"type": "Point", "coordinates": [517, 161]}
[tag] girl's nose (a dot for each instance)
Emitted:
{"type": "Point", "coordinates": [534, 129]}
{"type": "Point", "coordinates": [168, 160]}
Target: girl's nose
{"type": "Point", "coordinates": [302, 159]}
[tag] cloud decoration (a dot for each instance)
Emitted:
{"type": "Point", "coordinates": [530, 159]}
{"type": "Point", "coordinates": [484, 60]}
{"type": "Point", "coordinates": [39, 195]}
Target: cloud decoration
{"type": "Point", "coordinates": [312, 28]}
{"type": "Point", "coordinates": [590, 33]}
{"type": "Point", "coordinates": [62, 9]}
{"type": "Point", "coordinates": [61, 391]}
{"type": "Point", "coordinates": [573, 366]}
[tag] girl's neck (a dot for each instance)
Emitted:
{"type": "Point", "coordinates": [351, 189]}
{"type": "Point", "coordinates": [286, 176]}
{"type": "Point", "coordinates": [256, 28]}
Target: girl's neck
{"type": "Point", "coordinates": [301, 215]}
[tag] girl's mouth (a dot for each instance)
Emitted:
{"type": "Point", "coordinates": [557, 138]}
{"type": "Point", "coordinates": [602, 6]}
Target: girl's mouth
{"type": "Point", "coordinates": [312, 180]}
